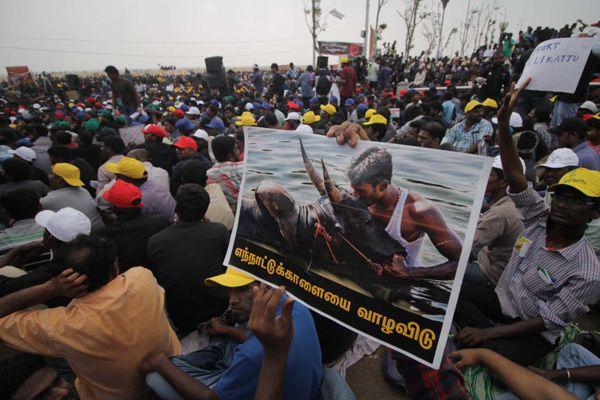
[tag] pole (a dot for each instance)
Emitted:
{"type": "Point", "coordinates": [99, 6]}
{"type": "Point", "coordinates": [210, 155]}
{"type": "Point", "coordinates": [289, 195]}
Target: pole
{"type": "Point", "coordinates": [366, 41]}
{"type": "Point", "coordinates": [314, 33]}
{"type": "Point", "coordinates": [439, 51]}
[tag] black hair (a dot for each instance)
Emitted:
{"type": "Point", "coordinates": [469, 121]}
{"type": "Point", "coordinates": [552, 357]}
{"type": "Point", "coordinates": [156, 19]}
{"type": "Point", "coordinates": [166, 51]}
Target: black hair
{"type": "Point", "coordinates": [116, 144]}
{"type": "Point", "coordinates": [412, 112]}
{"type": "Point", "coordinates": [111, 70]}
{"type": "Point", "coordinates": [309, 68]}
{"type": "Point", "coordinates": [37, 130]}
{"type": "Point", "coordinates": [435, 129]}
{"type": "Point", "coordinates": [93, 256]}
{"type": "Point", "coordinates": [17, 169]}
{"type": "Point", "coordinates": [436, 106]}
{"type": "Point", "coordinates": [7, 136]}
{"type": "Point", "coordinates": [21, 203]}
{"type": "Point", "coordinates": [193, 171]}
{"type": "Point", "coordinates": [448, 95]}
{"type": "Point", "coordinates": [222, 146]}
{"type": "Point", "coordinates": [16, 370]}
{"type": "Point", "coordinates": [61, 151]}
{"type": "Point", "coordinates": [86, 137]}
{"type": "Point", "coordinates": [270, 119]}
{"type": "Point", "coordinates": [542, 114]}
{"type": "Point", "coordinates": [62, 137]}
{"type": "Point", "coordinates": [192, 202]}
{"type": "Point", "coordinates": [371, 166]}
{"type": "Point", "coordinates": [385, 111]}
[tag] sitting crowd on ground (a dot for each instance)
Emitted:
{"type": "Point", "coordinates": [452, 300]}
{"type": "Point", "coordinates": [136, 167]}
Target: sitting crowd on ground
{"type": "Point", "coordinates": [113, 248]}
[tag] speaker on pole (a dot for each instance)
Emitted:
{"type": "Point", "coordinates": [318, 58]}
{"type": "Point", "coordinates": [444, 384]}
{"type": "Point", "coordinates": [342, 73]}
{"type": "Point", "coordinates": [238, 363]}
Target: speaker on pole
{"type": "Point", "coordinates": [322, 62]}
{"type": "Point", "coordinates": [215, 72]}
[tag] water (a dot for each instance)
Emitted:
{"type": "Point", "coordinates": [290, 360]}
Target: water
{"type": "Point", "coordinates": [447, 179]}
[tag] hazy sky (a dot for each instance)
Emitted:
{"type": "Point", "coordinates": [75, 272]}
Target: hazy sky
{"type": "Point", "coordinates": [58, 35]}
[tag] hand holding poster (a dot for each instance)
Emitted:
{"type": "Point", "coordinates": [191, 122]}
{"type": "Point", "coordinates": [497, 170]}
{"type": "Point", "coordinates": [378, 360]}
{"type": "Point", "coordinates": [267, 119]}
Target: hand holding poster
{"type": "Point", "coordinates": [556, 65]}
{"type": "Point", "coordinates": [310, 217]}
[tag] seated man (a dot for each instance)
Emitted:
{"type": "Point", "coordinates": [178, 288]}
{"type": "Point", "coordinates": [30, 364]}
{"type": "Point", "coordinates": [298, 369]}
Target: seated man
{"type": "Point", "coordinates": [17, 172]}
{"type": "Point", "coordinates": [186, 253]}
{"type": "Point", "coordinates": [227, 171]}
{"type": "Point", "coordinates": [67, 191]}
{"type": "Point", "coordinates": [156, 200]}
{"type": "Point", "coordinates": [497, 230]}
{"type": "Point", "coordinates": [101, 334]}
{"type": "Point", "coordinates": [182, 378]}
{"type": "Point", "coordinates": [156, 174]}
{"type": "Point", "coordinates": [20, 207]}
{"type": "Point", "coordinates": [63, 154]}
{"type": "Point", "coordinates": [553, 273]}
{"type": "Point", "coordinates": [187, 150]}
{"type": "Point", "coordinates": [132, 229]}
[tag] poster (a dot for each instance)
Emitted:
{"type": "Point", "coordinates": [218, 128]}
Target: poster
{"type": "Point", "coordinates": [340, 48]}
{"type": "Point", "coordinates": [300, 224]}
{"type": "Point", "coordinates": [556, 65]}
{"type": "Point", "coordinates": [19, 74]}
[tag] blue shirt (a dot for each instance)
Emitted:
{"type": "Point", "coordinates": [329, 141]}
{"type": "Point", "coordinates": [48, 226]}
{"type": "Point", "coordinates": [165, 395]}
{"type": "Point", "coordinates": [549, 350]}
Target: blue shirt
{"type": "Point", "coordinates": [305, 82]}
{"type": "Point", "coordinates": [449, 108]}
{"type": "Point", "coordinates": [303, 371]}
{"type": "Point", "coordinates": [588, 158]}
{"type": "Point", "coordinates": [462, 138]}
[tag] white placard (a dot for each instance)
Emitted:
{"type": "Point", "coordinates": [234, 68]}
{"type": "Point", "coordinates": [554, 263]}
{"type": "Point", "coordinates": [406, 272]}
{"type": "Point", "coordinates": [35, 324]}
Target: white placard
{"type": "Point", "coordinates": [556, 65]}
{"type": "Point", "coordinates": [132, 134]}
{"type": "Point", "coordinates": [394, 113]}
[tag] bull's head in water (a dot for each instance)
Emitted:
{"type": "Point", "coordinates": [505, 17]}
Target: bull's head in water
{"type": "Point", "coordinates": [351, 217]}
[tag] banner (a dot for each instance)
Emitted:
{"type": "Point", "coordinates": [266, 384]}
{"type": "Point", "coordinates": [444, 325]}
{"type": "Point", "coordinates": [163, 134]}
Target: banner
{"type": "Point", "coordinates": [300, 223]}
{"type": "Point", "coordinates": [340, 48]}
{"type": "Point", "coordinates": [17, 75]}
{"type": "Point", "coordinates": [556, 65]}
{"type": "Point", "coordinates": [373, 44]}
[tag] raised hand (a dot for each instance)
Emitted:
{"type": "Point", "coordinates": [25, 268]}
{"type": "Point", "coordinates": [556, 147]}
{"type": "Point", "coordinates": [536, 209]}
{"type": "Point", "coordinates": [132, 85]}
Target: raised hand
{"type": "Point", "coordinates": [274, 332]}
{"type": "Point", "coordinates": [69, 284]}
{"type": "Point", "coordinates": [348, 132]}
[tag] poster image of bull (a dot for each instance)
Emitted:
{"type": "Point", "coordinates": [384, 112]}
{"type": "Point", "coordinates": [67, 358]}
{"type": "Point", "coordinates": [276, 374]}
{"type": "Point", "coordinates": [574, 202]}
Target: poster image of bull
{"type": "Point", "coordinates": [375, 237]}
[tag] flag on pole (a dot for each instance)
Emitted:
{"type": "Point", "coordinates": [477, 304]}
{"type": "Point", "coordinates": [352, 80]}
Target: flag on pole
{"type": "Point", "coordinates": [337, 14]}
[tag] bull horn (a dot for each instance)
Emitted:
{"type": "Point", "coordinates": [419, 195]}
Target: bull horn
{"type": "Point", "coordinates": [314, 176]}
{"type": "Point", "coordinates": [334, 194]}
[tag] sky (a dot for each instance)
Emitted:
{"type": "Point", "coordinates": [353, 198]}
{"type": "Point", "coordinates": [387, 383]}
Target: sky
{"type": "Point", "coordinates": [75, 35]}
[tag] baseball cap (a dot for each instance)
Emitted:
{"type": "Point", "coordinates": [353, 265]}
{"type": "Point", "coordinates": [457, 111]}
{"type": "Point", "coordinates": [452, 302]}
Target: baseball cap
{"type": "Point", "coordinates": [293, 105]}
{"type": "Point", "coordinates": [313, 100]}
{"type": "Point", "coordinates": [232, 278]}
{"type": "Point", "coordinates": [249, 106]}
{"type": "Point", "coordinates": [265, 105]}
{"type": "Point", "coordinates": [201, 134]}
{"type": "Point", "coordinates": [129, 167]}
{"type": "Point", "coordinates": [193, 111]}
{"type": "Point", "coordinates": [333, 100]}
{"type": "Point", "coordinates": [590, 106]}
{"type": "Point", "coordinates": [362, 107]}
{"type": "Point", "coordinates": [582, 179]}
{"type": "Point", "coordinates": [571, 125]}
{"type": "Point", "coordinates": [310, 118]}
{"type": "Point", "coordinates": [293, 116]}
{"type": "Point", "coordinates": [370, 112]}
{"type": "Point", "coordinates": [184, 125]}
{"type": "Point", "coordinates": [123, 195]}
{"type": "Point", "coordinates": [24, 153]}
{"type": "Point", "coordinates": [185, 142]}
{"type": "Point", "coordinates": [69, 173]}
{"type": "Point", "coordinates": [498, 164]}
{"type": "Point", "coordinates": [349, 102]}
{"type": "Point", "coordinates": [516, 121]}
{"type": "Point", "coordinates": [490, 103]}
{"type": "Point", "coordinates": [376, 119]}
{"type": "Point", "coordinates": [343, 60]}
{"type": "Point", "coordinates": [64, 224]}
{"type": "Point", "coordinates": [471, 105]}
{"type": "Point", "coordinates": [247, 119]}
{"type": "Point", "coordinates": [328, 108]}
{"type": "Point", "coordinates": [561, 158]}
{"type": "Point", "coordinates": [179, 113]}
{"type": "Point", "coordinates": [255, 66]}
{"type": "Point", "coordinates": [153, 129]}
{"type": "Point", "coordinates": [216, 123]}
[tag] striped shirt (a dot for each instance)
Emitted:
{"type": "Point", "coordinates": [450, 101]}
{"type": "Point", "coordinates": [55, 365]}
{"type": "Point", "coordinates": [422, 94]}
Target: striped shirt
{"type": "Point", "coordinates": [574, 272]}
{"type": "Point", "coordinates": [462, 138]}
{"type": "Point", "coordinates": [22, 232]}
{"type": "Point", "coordinates": [228, 175]}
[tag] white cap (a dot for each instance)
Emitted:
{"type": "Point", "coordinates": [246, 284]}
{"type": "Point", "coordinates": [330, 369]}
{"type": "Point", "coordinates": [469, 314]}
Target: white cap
{"type": "Point", "coordinates": [201, 134]}
{"type": "Point", "coordinates": [249, 106]}
{"type": "Point", "coordinates": [561, 158]}
{"type": "Point", "coordinates": [24, 153]}
{"type": "Point", "coordinates": [303, 128]}
{"type": "Point", "coordinates": [255, 66]}
{"type": "Point", "coordinates": [498, 163]}
{"type": "Point", "coordinates": [193, 111]}
{"type": "Point", "coordinates": [65, 224]}
{"type": "Point", "coordinates": [36, 106]}
{"type": "Point", "coordinates": [200, 102]}
{"type": "Point", "coordinates": [515, 120]}
{"type": "Point", "coordinates": [590, 106]}
{"type": "Point", "coordinates": [293, 116]}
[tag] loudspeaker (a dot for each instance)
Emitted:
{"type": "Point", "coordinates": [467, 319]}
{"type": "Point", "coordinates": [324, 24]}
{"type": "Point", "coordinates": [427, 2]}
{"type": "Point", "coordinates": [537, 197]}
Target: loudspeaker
{"type": "Point", "coordinates": [72, 81]}
{"type": "Point", "coordinates": [215, 72]}
{"type": "Point", "coordinates": [322, 62]}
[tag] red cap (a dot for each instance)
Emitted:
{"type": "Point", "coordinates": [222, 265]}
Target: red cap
{"type": "Point", "coordinates": [179, 113]}
{"type": "Point", "coordinates": [186, 142]}
{"type": "Point", "coordinates": [59, 115]}
{"type": "Point", "coordinates": [293, 106]}
{"type": "Point", "coordinates": [123, 195]}
{"type": "Point", "coordinates": [154, 129]}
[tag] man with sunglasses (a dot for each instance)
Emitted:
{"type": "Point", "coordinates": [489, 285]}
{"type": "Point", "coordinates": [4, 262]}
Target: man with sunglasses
{"type": "Point", "coordinates": [553, 273]}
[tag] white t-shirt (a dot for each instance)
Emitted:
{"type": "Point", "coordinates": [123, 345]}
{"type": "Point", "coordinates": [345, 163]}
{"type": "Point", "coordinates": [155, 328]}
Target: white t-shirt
{"type": "Point", "coordinates": [373, 72]}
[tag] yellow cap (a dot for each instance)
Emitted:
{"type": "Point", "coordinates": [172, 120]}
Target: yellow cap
{"type": "Point", "coordinates": [376, 119]}
{"type": "Point", "coordinates": [232, 278]}
{"type": "Point", "coordinates": [171, 108]}
{"type": "Point", "coordinates": [369, 113]}
{"type": "Point", "coordinates": [247, 119]}
{"type": "Point", "coordinates": [471, 105]}
{"type": "Point", "coordinates": [328, 108]}
{"type": "Point", "coordinates": [583, 179]}
{"type": "Point", "coordinates": [490, 103]}
{"type": "Point", "coordinates": [343, 60]}
{"type": "Point", "coordinates": [310, 118]}
{"type": "Point", "coordinates": [129, 167]}
{"type": "Point", "coordinates": [68, 172]}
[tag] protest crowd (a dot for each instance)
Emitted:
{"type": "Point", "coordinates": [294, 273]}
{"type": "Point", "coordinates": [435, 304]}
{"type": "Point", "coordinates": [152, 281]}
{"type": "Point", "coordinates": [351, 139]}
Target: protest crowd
{"type": "Point", "coordinates": [117, 208]}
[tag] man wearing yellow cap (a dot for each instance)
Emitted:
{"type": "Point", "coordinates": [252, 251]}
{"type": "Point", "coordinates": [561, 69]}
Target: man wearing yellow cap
{"type": "Point", "coordinates": [67, 191]}
{"type": "Point", "coordinates": [465, 135]}
{"type": "Point", "coordinates": [553, 274]}
{"type": "Point", "coordinates": [229, 368]}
